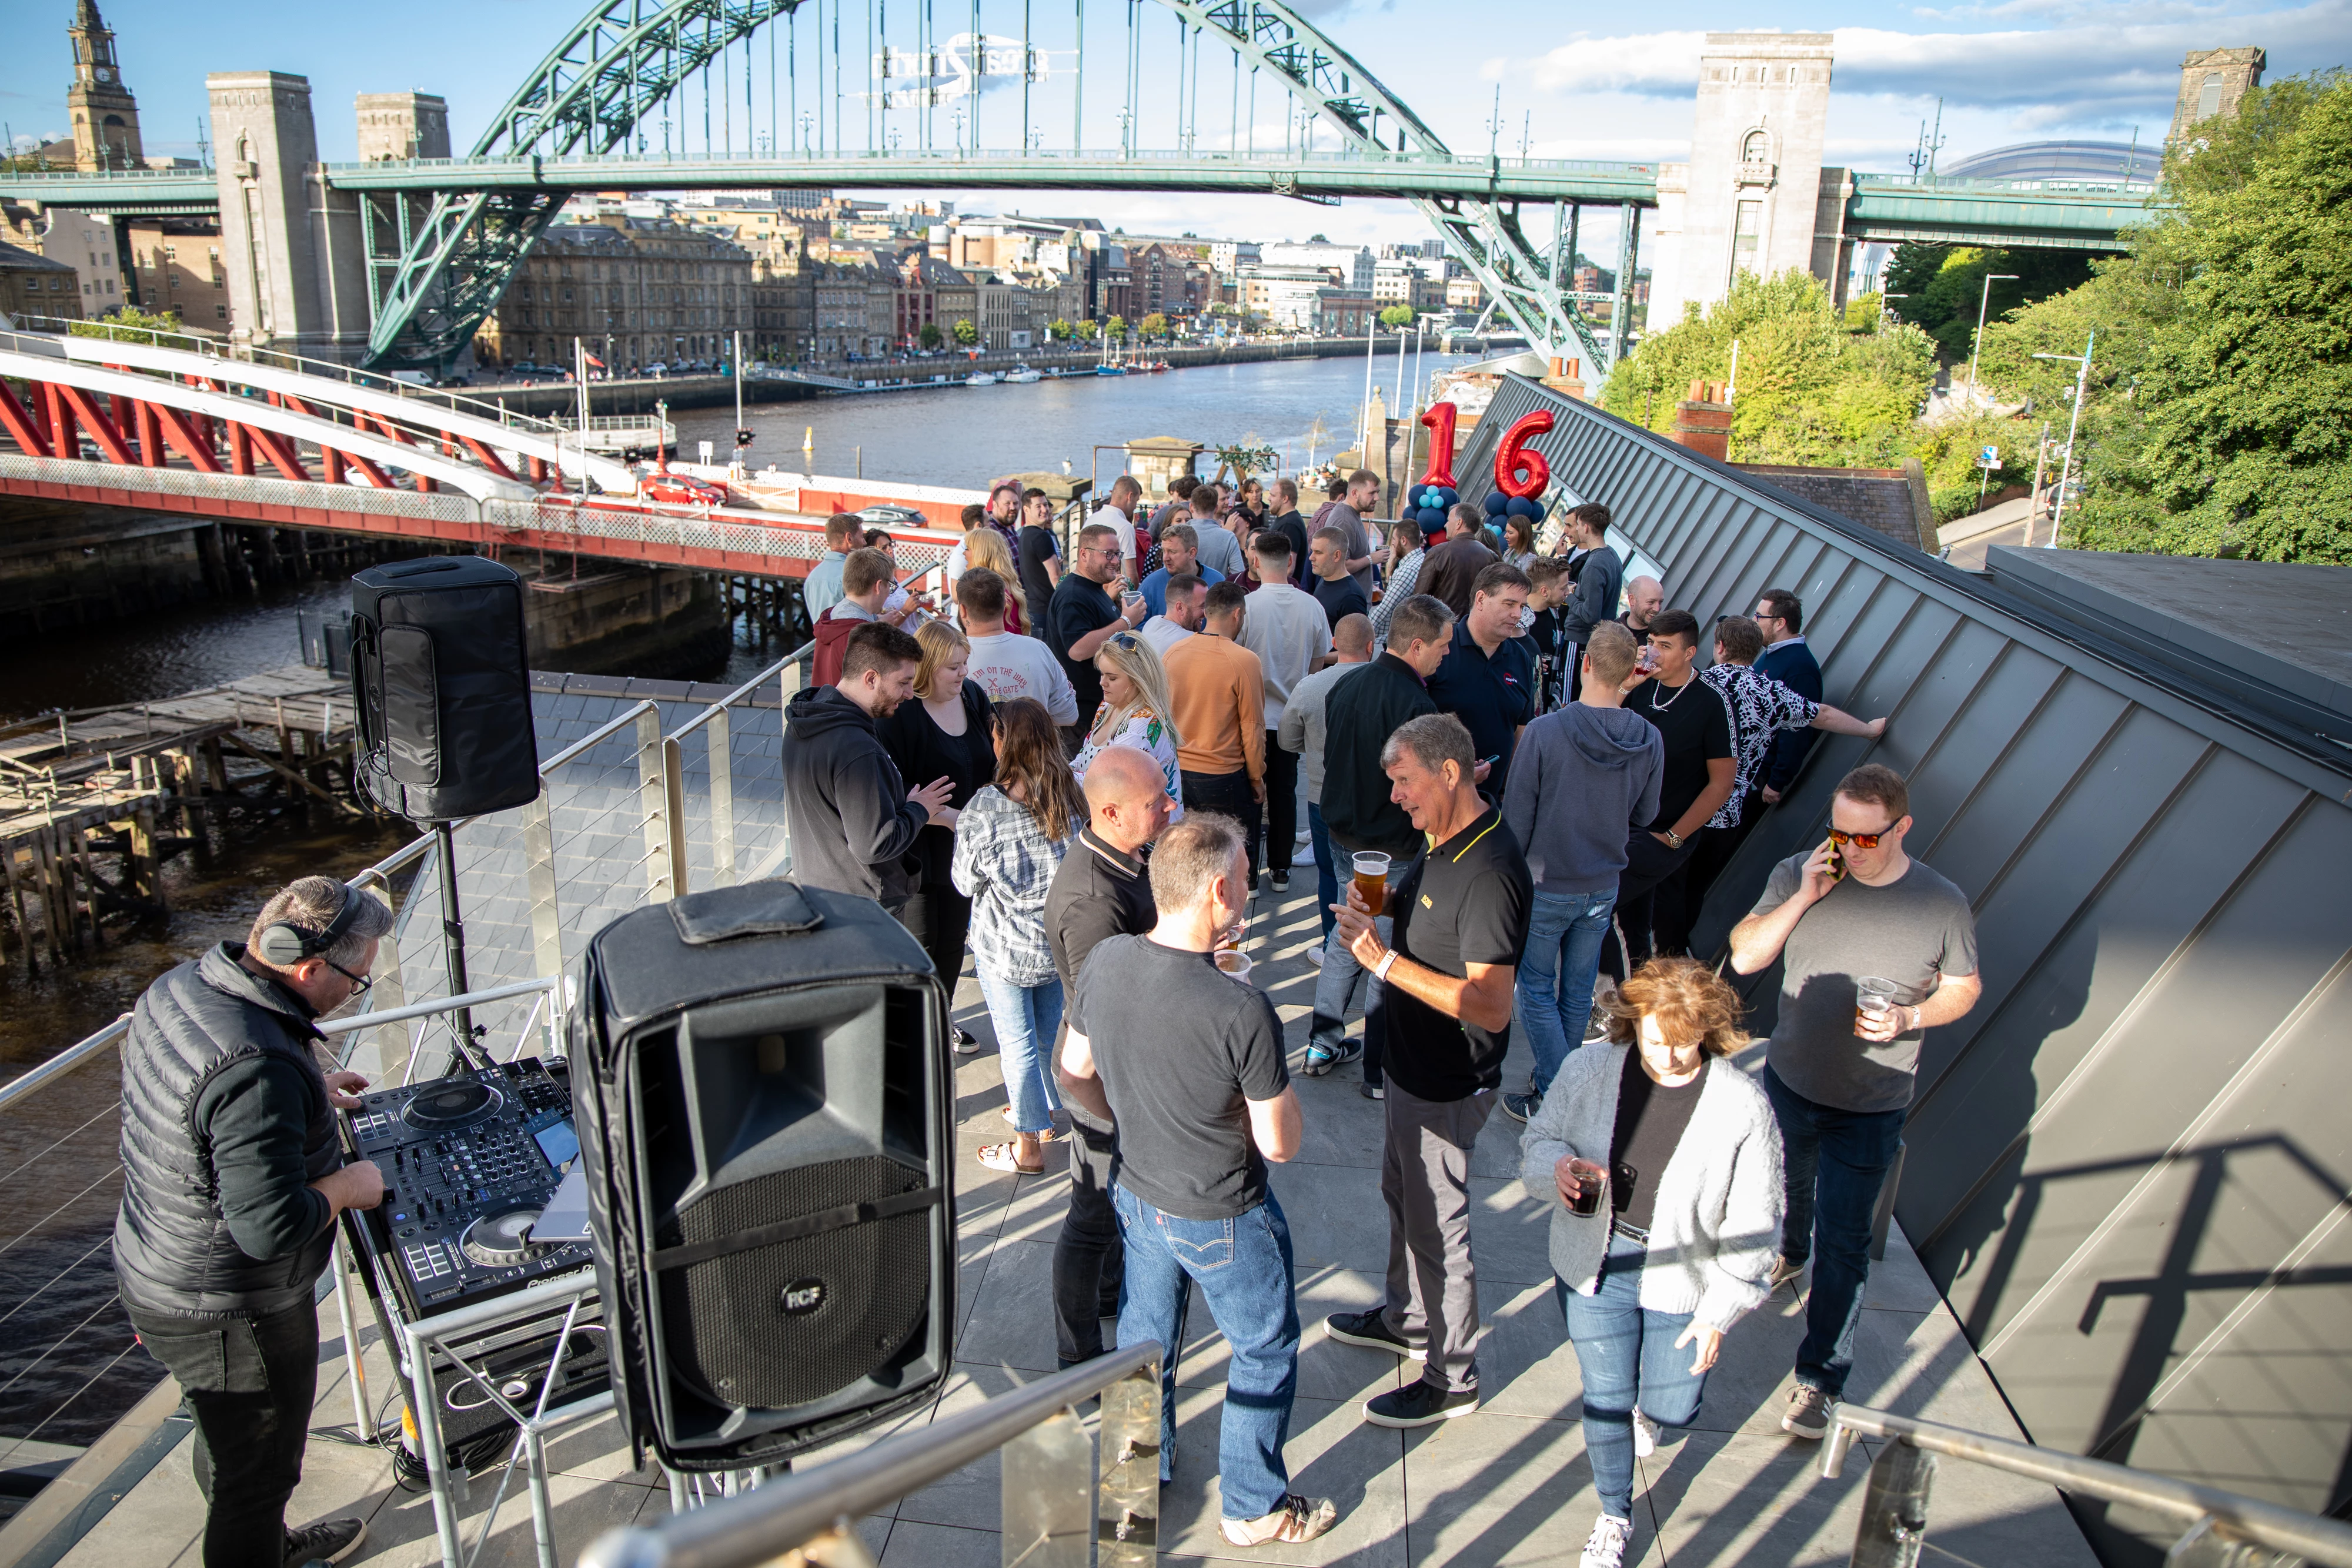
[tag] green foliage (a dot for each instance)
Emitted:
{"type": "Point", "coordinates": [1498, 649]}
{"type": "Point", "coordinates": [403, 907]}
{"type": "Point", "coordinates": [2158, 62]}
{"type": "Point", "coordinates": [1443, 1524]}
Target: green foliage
{"type": "Point", "coordinates": [1115, 329]}
{"type": "Point", "coordinates": [128, 324]}
{"type": "Point", "coordinates": [2219, 415]}
{"type": "Point", "coordinates": [1862, 311]}
{"type": "Point", "coordinates": [1942, 286]}
{"type": "Point", "coordinates": [1154, 325]}
{"type": "Point", "coordinates": [1809, 392]}
{"type": "Point", "coordinates": [1088, 331]}
{"type": "Point", "coordinates": [1057, 330]}
{"type": "Point", "coordinates": [930, 336]}
{"type": "Point", "coordinates": [1947, 452]}
{"type": "Point", "coordinates": [967, 331]}
{"type": "Point", "coordinates": [1397, 316]}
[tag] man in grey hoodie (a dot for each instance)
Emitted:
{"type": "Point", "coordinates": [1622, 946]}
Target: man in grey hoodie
{"type": "Point", "coordinates": [1583, 778]}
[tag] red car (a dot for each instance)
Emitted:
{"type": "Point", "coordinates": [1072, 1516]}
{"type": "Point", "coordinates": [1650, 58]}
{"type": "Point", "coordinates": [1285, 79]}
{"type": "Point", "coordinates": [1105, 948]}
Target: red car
{"type": "Point", "coordinates": [682, 490]}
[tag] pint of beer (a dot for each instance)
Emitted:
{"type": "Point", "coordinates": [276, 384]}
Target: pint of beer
{"type": "Point", "coordinates": [1372, 879]}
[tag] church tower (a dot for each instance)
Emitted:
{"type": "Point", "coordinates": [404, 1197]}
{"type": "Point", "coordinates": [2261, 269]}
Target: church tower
{"type": "Point", "coordinates": [105, 115]}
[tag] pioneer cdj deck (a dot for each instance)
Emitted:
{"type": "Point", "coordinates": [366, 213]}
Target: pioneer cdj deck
{"type": "Point", "coordinates": [468, 1162]}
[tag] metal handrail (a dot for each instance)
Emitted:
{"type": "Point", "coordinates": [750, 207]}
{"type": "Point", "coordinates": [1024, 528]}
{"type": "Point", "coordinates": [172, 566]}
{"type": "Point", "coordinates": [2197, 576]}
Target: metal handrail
{"type": "Point", "coordinates": [31, 1081]}
{"type": "Point", "coordinates": [1892, 1532]}
{"type": "Point", "coordinates": [760, 1527]}
{"type": "Point", "coordinates": [436, 1005]}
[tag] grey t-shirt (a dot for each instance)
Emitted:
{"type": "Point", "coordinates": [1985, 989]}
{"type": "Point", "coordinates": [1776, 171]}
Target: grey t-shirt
{"type": "Point", "coordinates": [1350, 522]}
{"type": "Point", "coordinates": [1910, 931]}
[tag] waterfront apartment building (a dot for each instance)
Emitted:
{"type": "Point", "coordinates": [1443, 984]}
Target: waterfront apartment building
{"type": "Point", "coordinates": [82, 243]}
{"type": "Point", "coordinates": [33, 285]}
{"type": "Point", "coordinates": [1418, 282]}
{"type": "Point", "coordinates": [636, 291]}
{"type": "Point", "coordinates": [783, 300]}
{"type": "Point", "coordinates": [1351, 265]}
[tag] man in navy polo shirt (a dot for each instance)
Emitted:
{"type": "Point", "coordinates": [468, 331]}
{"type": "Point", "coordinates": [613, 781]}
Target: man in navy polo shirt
{"type": "Point", "coordinates": [1488, 678]}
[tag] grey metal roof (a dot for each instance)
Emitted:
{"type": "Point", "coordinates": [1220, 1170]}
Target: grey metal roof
{"type": "Point", "coordinates": [2127, 1167]}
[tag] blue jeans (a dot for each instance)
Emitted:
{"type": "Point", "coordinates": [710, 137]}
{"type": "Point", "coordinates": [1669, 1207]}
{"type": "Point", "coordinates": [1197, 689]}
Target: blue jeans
{"type": "Point", "coordinates": [1565, 932]}
{"type": "Point", "coordinates": [1025, 1018]}
{"type": "Point", "coordinates": [1835, 1161]}
{"type": "Point", "coordinates": [1326, 872]}
{"type": "Point", "coordinates": [1629, 1359]}
{"type": "Point", "coordinates": [1243, 1267]}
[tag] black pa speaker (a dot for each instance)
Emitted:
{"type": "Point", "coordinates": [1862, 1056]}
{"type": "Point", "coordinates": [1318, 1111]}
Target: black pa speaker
{"type": "Point", "coordinates": [764, 1104]}
{"type": "Point", "coordinates": [442, 688]}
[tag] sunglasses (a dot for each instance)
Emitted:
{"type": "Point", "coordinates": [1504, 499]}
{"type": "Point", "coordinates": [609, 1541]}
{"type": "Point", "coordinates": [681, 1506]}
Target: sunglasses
{"type": "Point", "coordinates": [1126, 639]}
{"type": "Point", "coordinates": [1860, 840]}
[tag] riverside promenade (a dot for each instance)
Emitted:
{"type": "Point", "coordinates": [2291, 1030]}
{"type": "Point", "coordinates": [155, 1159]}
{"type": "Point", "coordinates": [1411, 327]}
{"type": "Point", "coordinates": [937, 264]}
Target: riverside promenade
{"type": "Point", "coordinates": [1509, 1485]}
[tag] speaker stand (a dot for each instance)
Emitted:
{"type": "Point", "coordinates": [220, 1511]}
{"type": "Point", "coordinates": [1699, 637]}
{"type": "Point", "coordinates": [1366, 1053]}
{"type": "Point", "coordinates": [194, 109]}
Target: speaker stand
{"type": "Point", "coordinates": [453, 946]}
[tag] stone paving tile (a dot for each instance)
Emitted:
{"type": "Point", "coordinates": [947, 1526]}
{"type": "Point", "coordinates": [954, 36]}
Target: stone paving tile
{"type": "Point", "coordinates": [1493, 1489]}
{"type": "Point", "coordinates": [1332, 1452]}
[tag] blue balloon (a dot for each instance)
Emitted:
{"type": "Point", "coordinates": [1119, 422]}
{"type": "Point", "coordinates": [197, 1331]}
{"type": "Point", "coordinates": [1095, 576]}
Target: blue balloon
{"type": "Point", "coordinates": [1447, 497]}
{"type": "Point", "coordinates": [1497, 503]}
{"type": "Point", "coordinates": [1524, 506]}
{"type": "Point", "coordinates": [1431, 519]}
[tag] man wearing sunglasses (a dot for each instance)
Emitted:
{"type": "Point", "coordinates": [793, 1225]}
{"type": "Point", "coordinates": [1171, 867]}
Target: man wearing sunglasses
{"type": "Point", "coordinates": [1853, 907]}
{"type": "Point", "coordinates": [1082, 617]}
{"type": "Point", "coordinates": [232, 1180]}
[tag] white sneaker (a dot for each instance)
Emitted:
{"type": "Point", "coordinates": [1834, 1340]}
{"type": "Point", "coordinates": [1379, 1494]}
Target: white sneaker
{"type": "Point", "coordinates": [1645, 1435]}
{"type": "Point", "coordinates": [1314, 956]}
{"type": "Point", "coordinates": [1605, 1547]}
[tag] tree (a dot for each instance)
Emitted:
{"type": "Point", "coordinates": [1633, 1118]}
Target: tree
{"type": "Point", "coordinates": [966, 332]}
{"type": "Point", "coordinates": [129, 324]}
{"type": "Point", "coordinates": [930, 336]}
{"type": "Point", "coordinates": [1057, 329]}
{"type": "Point", "coordinates": [1088, 331]}
{"type": "Point", "coordinates": [1398, 316]}
{"type": "Point", "coordinates": [2218, 419]}
{"type": "Point", "coordinates": [1155, 326]}
{"type": "Point", "coordinates": [1942, 286]}
{"type": "Point", "coordinates": [1809, 392]}
{"type": "Point", "coordinates": [1115, 329]}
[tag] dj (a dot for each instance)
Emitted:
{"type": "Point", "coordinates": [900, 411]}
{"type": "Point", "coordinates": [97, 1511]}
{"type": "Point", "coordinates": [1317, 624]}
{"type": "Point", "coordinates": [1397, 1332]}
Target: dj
{"type": "Point", "coordinates": [232, 1179]}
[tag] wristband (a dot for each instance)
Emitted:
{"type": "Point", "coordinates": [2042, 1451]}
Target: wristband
{"type": "Point", "coordinates": [1386, 964]}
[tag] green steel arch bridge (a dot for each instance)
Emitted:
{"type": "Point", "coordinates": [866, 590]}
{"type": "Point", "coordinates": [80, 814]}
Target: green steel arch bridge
{"type": "Point", "coordinates": [650, 95]}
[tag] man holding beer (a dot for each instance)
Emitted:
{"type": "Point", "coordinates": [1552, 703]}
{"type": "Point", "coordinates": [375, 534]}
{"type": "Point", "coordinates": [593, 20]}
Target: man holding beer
{"type": "Point", "coordinates": [1460, 916]}
{"type": "Point", "coordinates": [1877, 948]}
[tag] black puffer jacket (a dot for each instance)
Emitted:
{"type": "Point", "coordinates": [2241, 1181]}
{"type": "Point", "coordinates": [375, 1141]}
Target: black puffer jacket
{"type": "Point", "coordinates": [226, 1122]}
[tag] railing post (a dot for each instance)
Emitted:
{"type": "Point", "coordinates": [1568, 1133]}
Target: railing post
{"type": "Point", "coordinates": [1895, 1508]}
{"type": "Point", "coordinates": [392, 1039]}
{"type": "Point", "coordinates": [2205, 1546]}
{"type": "Point", "coordinates": [1048, 1495]}
{"type": "Point", "coordinates": [721, 759]}
{"type": "Point", "coordinates": [1127, 1492]}
{"type": "Point", "coordinates": [653, 804]}
{"type": "Point", "coordinates": [540, 885]}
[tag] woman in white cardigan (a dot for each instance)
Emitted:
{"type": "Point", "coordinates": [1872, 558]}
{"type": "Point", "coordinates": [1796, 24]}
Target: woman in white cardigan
{"type": "Point", "coordinates": [1684, 1157]}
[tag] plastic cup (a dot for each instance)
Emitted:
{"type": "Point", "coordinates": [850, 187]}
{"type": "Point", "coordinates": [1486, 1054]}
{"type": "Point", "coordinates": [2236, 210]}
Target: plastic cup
{"type": "Point", "coordinates": [1371, 869]}
{"type": "Point", "coordinates": [1592, 1187]}
{"type": "Point", "coordinates": [1234, 962]}
{"type": "Point", "coordinates": [1873, 999]}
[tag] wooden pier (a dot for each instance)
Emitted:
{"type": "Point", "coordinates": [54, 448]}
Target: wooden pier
{"type": "Point", "coordinates": [123, 789]}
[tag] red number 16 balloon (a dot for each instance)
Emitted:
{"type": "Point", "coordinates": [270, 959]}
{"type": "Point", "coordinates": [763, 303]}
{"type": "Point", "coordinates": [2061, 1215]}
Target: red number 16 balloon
{"type": "Point", "coordinates": [1520, 471]}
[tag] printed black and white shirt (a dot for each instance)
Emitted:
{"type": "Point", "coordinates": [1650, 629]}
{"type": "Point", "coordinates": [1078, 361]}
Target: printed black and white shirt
{"type": "Point", "coordinates": [1760, 708]}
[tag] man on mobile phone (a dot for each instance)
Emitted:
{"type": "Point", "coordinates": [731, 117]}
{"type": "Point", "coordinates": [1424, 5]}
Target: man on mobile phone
{"type": "Point", "coordinates": [1854, 906]}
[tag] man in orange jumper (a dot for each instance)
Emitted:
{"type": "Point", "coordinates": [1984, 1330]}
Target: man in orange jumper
{"type": "Point", "coordinates": [1218, 690]}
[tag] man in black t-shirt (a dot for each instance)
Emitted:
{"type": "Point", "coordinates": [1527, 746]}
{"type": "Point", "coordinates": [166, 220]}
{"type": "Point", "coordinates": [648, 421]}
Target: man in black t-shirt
{"type": "Point", "coordinates": [1461, 921]}
{"type": "Point", "coordinates": [1035, 554]}
{"type": "Point", "coordinates": [1700, 768]}
{"type": "Point", "coordinates": [1187, 1061]}
{"type": "Point", "coordinates": [1081, 617]}
{"type": "Point", "coordinates": [1100, 890]}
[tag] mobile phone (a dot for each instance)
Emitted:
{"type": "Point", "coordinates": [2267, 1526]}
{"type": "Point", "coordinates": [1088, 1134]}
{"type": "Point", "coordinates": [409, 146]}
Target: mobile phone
{"type": "Point", "coordinates": [1837, 862]}
{"type": "Point", "coordinates": [1490, 762]}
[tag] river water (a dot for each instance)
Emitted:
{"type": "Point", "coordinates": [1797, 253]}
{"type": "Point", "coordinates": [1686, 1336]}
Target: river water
{"type": "Point", "coordinates": [67, 1364]}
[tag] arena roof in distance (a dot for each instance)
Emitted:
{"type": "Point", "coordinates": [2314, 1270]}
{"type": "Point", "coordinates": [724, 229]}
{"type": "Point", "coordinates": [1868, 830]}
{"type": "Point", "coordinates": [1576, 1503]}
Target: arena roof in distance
{"type": "Point", "coordinates": [2062, 163]}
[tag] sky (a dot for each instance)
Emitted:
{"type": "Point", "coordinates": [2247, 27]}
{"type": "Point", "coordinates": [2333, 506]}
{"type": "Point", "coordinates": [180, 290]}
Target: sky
{"type": "Point", "coordinates": [1511, 73]}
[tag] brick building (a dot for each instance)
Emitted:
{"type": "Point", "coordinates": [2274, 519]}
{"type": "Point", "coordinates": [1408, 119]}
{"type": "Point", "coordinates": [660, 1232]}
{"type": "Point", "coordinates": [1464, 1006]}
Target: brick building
{"type": "Point", "coordinates": [636, 291]}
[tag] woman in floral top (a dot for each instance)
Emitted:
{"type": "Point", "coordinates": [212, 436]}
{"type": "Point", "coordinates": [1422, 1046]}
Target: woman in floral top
{"type": "Point", "coordinates": [1135, 701]}
{"type": "Point", "coordinates": [1009, 841]}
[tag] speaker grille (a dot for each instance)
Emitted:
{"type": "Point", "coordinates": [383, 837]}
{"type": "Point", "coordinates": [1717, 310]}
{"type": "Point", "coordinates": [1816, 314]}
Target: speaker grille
{"type": "Point", "coordinates": [783, 1324]}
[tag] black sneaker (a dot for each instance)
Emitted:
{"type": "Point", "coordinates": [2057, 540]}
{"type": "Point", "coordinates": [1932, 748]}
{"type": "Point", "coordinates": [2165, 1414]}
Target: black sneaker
{"type": "Point", "coordinates": [330, 1541]}
{"type": "Point", "coordinates": [1520, 1107]}
{"type": "Point", "coordinates": [1372, 1331]}
{"type": "Point", "coordinates": [966, 1042]}
{"type": "Point", "coordinates": [1281, 880]}
{"type": "Point", "coordinates": [1372, 1091]}
{"type": "Point", "coordinates": [1418, 1405]}
{"type": "Point", "coordinates": [1321, 1059]}
{"type": "Point", "coordinates": [1808, 1416]}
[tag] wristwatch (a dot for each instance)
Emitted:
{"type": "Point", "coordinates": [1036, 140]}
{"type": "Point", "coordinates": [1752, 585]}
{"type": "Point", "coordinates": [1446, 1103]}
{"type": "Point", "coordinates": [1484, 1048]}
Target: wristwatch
{"type": "Point", "coordinates": [1674, 840]}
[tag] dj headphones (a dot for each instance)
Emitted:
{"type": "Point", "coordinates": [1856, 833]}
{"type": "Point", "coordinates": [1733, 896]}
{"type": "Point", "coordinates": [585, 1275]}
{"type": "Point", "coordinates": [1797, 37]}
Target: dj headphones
{"type": "Point", "coordinates": [284, 944]}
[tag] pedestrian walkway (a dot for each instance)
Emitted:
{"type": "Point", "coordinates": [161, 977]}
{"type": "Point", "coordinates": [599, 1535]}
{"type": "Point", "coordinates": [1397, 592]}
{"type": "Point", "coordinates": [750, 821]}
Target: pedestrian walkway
{"type": "Point", "coordinates": [1507, 1486]}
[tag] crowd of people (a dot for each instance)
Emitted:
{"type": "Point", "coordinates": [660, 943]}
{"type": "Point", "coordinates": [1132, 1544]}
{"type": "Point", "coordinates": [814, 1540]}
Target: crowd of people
{"type": "Point", "coordinates": [1518, 778]}
{"type": "Point", "coordinates": [1519, 772]}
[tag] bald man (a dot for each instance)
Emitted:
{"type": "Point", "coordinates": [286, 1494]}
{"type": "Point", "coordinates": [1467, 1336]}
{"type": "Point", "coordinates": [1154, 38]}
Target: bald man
{"type": "Point", "coordinates": [1101, 889]}
{"type": "Point", "coordinates": [1645, 596]}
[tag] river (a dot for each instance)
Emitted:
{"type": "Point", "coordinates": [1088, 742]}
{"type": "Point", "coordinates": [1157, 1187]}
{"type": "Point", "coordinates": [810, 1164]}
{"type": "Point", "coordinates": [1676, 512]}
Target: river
{"type": "Point", "coordinates": [67, 1360]}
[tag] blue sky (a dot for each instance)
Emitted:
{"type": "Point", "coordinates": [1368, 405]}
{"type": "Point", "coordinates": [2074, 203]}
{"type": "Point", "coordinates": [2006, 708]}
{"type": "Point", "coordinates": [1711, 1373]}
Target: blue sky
{"type": "Point", "coordinates": [1574, 83]}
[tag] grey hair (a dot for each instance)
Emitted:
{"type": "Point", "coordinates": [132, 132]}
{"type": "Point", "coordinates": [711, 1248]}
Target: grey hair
{"type": "Point", "coordinates": [312, 904]}
{"type": "Point", "coordinates": [1189, 856]}
{"type": "Point", "coordinates": [1434, 739]}
{"type": "Point", "coordinates": [1422, 618]}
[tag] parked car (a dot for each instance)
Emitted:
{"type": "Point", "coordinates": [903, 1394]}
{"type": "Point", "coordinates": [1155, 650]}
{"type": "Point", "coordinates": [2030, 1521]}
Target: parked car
{"type": "Point", "coordinates": [886, 515]}
{"type": "Point", "coordinates": [530, 368]}
{"type": "Point", "coordinates": [682, 490]}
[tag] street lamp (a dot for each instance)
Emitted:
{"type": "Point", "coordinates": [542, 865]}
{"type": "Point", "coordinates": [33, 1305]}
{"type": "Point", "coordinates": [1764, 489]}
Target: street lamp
{"type": "Point", "coordinates": [2073, 421]}
{"type": "Point", "coordinates": [1977, 346]}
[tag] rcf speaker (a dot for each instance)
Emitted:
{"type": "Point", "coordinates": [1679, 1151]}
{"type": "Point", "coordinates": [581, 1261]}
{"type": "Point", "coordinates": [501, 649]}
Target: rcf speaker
{"type": "Point", "coordinates": [442, 689]}
{"type": "Point", "coordinates": [764, 1104]}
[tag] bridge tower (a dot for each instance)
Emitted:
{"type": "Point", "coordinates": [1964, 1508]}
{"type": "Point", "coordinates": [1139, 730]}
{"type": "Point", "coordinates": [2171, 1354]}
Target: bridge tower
{"type": "Point", "coordinates": [398, 126]}
{"type": "Point", "coordinates": [1754, 196]}
{"type": "Point", "coordinates": [289, 242]}
{"type": "Point", "coordinates": [2214, 82]}
{"type": "Point", "coordinates": [105, 116]}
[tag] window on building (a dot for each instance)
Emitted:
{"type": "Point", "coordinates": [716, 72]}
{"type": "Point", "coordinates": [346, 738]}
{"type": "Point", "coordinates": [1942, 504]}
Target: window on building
{"type": "Point", "coordinates": [220, 312]}
{"type": "Point", "coordinates": [2209, 97]}
{"type": "Point", "coordinates": [1747, 233]}
{"type": "Point", "coordinates": [1758, 148]}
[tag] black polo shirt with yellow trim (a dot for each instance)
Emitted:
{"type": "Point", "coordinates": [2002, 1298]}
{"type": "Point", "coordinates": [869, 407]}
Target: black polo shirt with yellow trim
{"type": "Point", "coordinates": [1463, 901]}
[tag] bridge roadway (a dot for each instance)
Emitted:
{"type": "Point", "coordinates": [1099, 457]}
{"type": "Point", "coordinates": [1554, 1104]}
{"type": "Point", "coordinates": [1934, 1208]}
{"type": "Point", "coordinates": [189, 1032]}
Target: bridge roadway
{"type": "Point", "coordinates": [1882, 207]}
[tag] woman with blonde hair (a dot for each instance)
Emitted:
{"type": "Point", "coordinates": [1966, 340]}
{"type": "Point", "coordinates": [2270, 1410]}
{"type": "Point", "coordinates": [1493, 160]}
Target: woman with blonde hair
{"type": "Point", "coordinates": [946, 733]}
{"type": "Point", "coordinates": [986, 547]}
{"type": "Point", "coordinates": [1009, 842]}
{"type": "Point", "coordinates": [1135, 712]}
{"type": "Point", "coordinates": [1666, 1166]}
